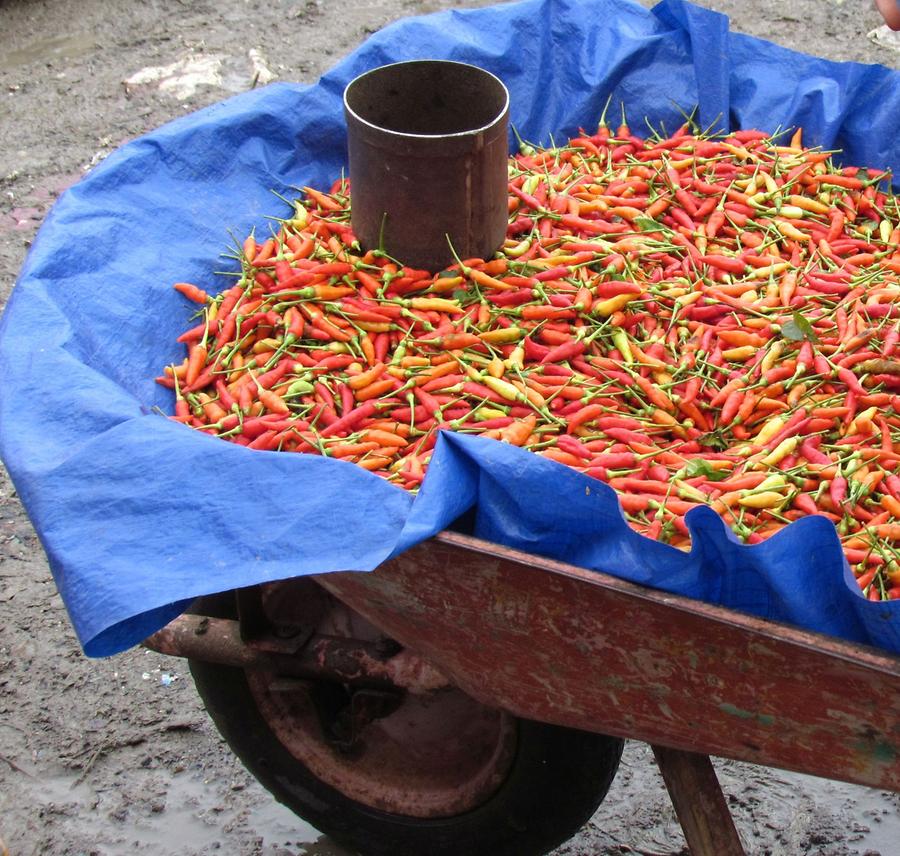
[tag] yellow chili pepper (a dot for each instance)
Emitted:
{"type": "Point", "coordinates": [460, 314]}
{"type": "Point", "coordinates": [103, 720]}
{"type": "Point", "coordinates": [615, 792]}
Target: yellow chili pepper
{"type": "Point", "coordinates": [502, 388]}
{"type": "Point", "coordinates": [689, 492]}
{"type": "Point", "coordinates": [301, 217]}
{"type": "Point", "coordinates": [782, 450]}
{"type": "Point", "coordinates": [809, 204]}
{"type": "Point", "coordinates": [773, 354]}
{"type": "Point", "coordinates": [764, 499]}
{"type": "Point", "coordinates": [775, 481]}
{"type": "Point", "coordinates": [553, 260]}
{"type": "Point", "coordinates": [516, 359]}
{"type": "Point", "coordinates": [769, 270]}
{"type": "Point", "coordinates": [862, 419]}
{"type": "Point", "coordinates": [789, 230]}
{"type": "Point", "coordinates": [264, 345]}
{"type": "Point", "coordinates": [435, 304]}
{"type": "Point", "coordinates": [502, 335]}
{"type": "Point", "coordinates": [769, 430]}
{"type": "Point", "coordinates": [688, 299]}
{"type": "Point", "coordinates": [485, 413]}
{"type": "Point", "coordinates": [532, 395]}
{"type": "Point", "coordinates": [517, 250]}
{"type": "Point", "coordinates": [792, 212]}
{"type": "Point", "coordinates": [496, 368]}
{"type": "Point", "coordinates": [620, 340]}
{"type": "Point", "coordinates": [739, 354]}
{"type": "Point", "coordinates": [613, 304]}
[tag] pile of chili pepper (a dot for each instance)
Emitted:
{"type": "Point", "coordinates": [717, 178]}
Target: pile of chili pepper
{"type": "Point", "coordinates": [692, 319]}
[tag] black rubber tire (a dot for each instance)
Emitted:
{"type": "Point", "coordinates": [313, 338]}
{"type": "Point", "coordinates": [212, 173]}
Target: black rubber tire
{"type": "Point", "coordinates": [556, 781]}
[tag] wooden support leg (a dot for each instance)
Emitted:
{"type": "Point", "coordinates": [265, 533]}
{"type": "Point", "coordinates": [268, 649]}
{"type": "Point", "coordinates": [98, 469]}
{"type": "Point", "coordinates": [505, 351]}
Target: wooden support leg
{"type": "Point", "coordinates": [699, 803]}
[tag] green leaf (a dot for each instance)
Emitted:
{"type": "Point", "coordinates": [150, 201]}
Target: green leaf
{"type": "Point", "coordinates": [700, 467]}
{"type": "Point", "coordinates": [646, 224]}
{"type": "Point", "coordinates": [460, 294]}
{"type": "Point", "coordinates": [714, 441]}
{"type": "Point", "coordinates": [798, 329]}
{"type": "Point", "coordinates": [792, 331]}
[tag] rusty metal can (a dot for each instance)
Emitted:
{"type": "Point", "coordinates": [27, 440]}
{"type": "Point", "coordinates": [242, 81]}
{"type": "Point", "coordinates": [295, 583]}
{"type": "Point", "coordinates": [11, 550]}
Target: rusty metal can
{"type": "Point", "coordinates": [428, 145]}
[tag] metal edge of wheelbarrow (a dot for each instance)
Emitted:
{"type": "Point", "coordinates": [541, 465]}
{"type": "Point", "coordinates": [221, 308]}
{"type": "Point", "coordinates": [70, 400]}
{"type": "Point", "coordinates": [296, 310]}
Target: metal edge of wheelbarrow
{"type": "Point", "coordinates": [557, 643]}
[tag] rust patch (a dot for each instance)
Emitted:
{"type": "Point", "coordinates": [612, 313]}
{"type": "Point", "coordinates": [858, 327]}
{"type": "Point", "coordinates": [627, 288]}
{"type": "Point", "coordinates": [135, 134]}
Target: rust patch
{"type": "Point", "coordinates": [511, 608]}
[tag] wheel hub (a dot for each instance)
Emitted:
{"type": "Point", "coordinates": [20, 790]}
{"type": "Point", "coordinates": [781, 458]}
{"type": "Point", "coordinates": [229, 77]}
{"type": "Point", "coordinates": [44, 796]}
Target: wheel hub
{"type": "Point", "coordinates": [436, 755]}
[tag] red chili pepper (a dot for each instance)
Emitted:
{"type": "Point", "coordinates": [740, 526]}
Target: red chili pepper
{"type": "Point", "coordinates": [225, 398]}
{"type": "Point", "coordinates": [726, 263]}
{"type": "Point", "coordinates": [196, 362]}
{"type": "Point", "coordinates": [851, 381]}
{"type": "Point", "coordinates": [592, 227]}
{"type": "Point", "coordinates": [564, 352]}
{"type": "Point", "coordinates": [628, 437]}
{"type": "Point", "coordinates": [701, 344]}
{"type": "Point", "coordinates": [194, 334]}
{"type": "Point", "coordinates": [838, 490]}
{"type": "Point", "coordinates": [583, 414]}
{"type": "Point", "coordinates": [350, 420]}
{"type": "Point", "coordinates": [192, 292]}
{"type": "Point", "coordinates": [812, 454]}
{"type": "Point", "coordinates": [569, 444]}
{"type": "Point", "coordinates": [479, 391]}
{"type": "Point", "coordinates": [406, 414]}
{"type": "Point", "coordinates": [452, 341]}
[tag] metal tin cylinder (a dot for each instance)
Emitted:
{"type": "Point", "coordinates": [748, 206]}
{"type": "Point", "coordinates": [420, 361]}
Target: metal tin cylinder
{"type": "Point", "coordinates": [428, 145]}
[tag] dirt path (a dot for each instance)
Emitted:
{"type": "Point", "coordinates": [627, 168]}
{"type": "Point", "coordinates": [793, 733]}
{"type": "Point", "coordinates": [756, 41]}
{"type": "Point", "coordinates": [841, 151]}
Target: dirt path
{"type": "Point", "coordinates": [117, 756]}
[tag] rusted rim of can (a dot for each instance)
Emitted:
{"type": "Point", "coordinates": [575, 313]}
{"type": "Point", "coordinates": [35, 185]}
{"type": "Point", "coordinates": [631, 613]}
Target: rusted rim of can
{"type": "Point", "coordinates": [500, 116]}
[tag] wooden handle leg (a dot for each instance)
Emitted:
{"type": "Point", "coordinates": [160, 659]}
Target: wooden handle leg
{"type": "Point", "coordinates": [699, 802]}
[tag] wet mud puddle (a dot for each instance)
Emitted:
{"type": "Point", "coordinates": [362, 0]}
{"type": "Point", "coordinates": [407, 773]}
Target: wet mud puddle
{"type": "Point", "coordinates": [49, 49]}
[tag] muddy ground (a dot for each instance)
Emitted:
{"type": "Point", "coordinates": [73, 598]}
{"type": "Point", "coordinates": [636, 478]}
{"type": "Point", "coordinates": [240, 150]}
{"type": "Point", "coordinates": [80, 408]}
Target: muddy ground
{"type": "Point", "coordinates": [117, 755]}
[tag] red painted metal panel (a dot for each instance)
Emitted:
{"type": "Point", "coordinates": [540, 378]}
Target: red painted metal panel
{"type": "Point", "coordinates": [556, 643]}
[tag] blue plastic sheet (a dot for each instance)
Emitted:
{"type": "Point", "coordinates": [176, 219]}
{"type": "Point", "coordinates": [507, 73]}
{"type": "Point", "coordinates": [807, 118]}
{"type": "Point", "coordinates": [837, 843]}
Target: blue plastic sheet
{"type": "Point", "coordinates": [138, 515]}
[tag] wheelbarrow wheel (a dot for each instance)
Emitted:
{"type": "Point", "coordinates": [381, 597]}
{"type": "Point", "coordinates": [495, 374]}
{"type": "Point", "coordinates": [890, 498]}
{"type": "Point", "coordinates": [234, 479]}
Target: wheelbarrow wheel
{"type": "Point", "coordinates": [438, 775]}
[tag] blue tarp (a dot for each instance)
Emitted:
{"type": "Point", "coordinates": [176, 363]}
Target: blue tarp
{"type": "Point", "coordinates": [138, 514]}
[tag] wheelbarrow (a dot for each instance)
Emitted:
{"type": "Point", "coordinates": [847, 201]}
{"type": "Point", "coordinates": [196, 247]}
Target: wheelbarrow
{"type": "Point", "coordinates": [466, 698]}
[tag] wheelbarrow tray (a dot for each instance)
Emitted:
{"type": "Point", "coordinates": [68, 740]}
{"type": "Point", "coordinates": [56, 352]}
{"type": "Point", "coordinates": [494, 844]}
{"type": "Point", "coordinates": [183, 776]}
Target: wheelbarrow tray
{"type": "Point", "coordinates": [553, 642]}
